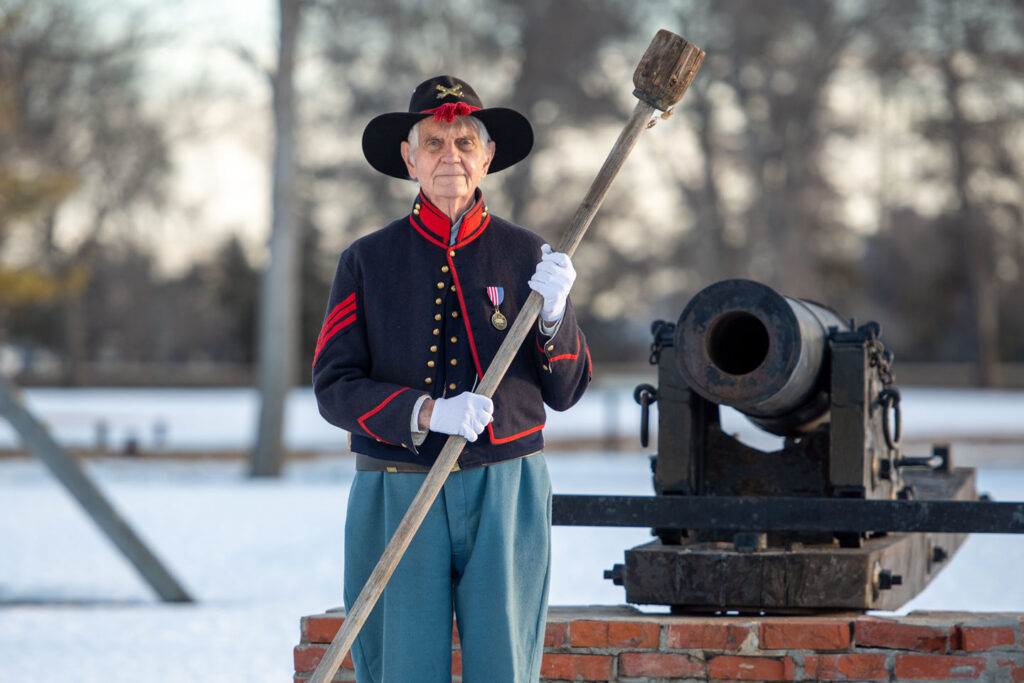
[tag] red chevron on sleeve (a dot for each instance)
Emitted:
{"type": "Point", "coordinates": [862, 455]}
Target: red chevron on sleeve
{"type": "Point", "coordinates": [343, 315]}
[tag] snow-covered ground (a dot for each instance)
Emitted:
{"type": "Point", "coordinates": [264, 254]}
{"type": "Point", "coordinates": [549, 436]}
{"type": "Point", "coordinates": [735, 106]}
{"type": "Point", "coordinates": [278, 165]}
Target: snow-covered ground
{"type": "Point", "coordinates": [260, 554]}
{"type": "Point", "coordinates": [175, 420]}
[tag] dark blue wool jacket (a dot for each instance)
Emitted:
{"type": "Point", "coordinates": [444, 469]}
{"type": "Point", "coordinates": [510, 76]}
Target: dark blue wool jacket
{"type": "Point", "coordinates": [409, 316]}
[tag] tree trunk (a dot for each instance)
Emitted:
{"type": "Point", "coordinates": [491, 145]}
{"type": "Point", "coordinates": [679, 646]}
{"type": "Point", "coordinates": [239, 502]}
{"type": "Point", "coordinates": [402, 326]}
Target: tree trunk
{"type": "Point", "coordinates": [279, 309]}
{"type": "Point", "coordinates": [982, 293]}
{"type": "Point", "coordinates": [712, 263]}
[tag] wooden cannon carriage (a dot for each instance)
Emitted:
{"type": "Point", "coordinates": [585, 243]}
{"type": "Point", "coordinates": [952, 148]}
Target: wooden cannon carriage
{"type": "Point", "coordinates": [838, 518]}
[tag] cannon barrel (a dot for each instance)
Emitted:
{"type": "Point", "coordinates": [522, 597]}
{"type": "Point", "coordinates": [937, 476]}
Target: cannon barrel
{"type": "Point", "coordinates": [742, 344]}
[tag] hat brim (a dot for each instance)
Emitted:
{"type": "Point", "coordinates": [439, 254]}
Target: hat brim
{"type": "Point", "coordinates": [383, 137]}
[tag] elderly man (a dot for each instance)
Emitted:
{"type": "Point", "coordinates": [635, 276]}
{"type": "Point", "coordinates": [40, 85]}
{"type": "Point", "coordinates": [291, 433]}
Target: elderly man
{"type": "Point", "coordinates": [417, 311]}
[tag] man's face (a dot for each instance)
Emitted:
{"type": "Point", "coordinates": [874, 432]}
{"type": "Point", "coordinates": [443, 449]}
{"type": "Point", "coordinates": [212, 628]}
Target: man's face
{"type": "Point", "coordinates": [449, 161]}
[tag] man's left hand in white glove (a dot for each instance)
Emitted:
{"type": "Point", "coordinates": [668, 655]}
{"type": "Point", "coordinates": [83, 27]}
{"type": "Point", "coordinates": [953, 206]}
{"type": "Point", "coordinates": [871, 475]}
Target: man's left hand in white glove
{"type": "Point", "coordinates": [553, 279]}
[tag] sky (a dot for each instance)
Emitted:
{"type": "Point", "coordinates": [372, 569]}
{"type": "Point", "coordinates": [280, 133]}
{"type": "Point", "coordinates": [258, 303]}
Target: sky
{"type": "Point", "coordinates": [221, 143]}
{"type": "Point", "coordinates": [196, 36]}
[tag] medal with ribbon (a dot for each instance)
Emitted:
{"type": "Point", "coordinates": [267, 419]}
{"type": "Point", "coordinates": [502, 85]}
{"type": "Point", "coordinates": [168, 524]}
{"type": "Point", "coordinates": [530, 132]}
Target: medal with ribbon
{"type": "Point", "coordinates": [497, 295]}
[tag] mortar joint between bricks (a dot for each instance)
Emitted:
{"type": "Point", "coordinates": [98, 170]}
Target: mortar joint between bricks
{"type": "Point", "coordinates": [1000, 660]}
{"type": "Point", "coordinates": [797, 657]}
{"type": "Point", "coordinates": [752, 643]}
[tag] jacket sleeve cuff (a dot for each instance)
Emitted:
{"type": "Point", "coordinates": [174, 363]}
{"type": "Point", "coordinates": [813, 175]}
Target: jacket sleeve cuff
{"type": "Point", "coordinates": [418, 436]}
{"type": "Point", "coordinates": [547, 331]}
{"type": "Point", "coordinates": [389, 421]}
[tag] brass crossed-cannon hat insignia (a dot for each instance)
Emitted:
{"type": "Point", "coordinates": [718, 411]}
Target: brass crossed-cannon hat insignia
{"type": "Point", "coordinates": [454, 92]}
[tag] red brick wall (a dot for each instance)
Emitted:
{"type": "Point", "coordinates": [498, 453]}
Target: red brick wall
{"type": "Point", "coordinates": [621, 644]}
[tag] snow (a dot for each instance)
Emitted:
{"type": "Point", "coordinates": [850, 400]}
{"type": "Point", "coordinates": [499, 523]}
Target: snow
{"type": "Point", "coordinates": [225, 419]}
{"type": "Point", "coordinates": [260, 554]}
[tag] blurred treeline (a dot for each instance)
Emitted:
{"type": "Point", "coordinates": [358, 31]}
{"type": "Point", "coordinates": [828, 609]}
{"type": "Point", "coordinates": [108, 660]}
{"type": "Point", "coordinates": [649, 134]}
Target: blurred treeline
{"type": "Point", "coordinates": [869, 155]}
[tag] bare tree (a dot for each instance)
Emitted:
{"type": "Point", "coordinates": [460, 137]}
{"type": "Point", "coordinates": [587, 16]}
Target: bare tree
{"type": "Point", "coordinates": [548, 60]}
{"type": "Point", "coordinates": [279, 309]}
{"type": "Point", "coordinates": [965, 60]}
{"type": "Point", "coordinates": [763, 117]}
{"type": "Point", "coordinates": [77, 130]}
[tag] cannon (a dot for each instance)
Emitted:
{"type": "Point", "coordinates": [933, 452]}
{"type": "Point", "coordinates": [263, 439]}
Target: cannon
{"type": "Point", "coordinates": [838, 518]}
{"type": "Point", "coordinates": [794, 368]}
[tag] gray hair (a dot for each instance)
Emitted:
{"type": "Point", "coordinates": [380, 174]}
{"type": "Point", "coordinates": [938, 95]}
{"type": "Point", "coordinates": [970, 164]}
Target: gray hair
{"type": "Point", "coordinates": [472, 121]}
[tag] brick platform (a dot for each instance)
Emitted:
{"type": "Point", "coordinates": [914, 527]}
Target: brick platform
{"type": "Point", "coordinates": [621, 644]}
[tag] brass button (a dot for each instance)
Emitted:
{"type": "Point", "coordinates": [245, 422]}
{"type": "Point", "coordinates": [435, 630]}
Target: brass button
{"type": "Point", "coordinates": [454, 339]}
{"type": "Point", "coordinates": [433, 349]}
{"type": "Point", "coordinates": [437, 316]}
{"type": "Point", "coordinates": [544, 367]}
{"type": "Point", "coordinates": [455, 314]}
{"type": "Point", "coordinates": [451, 252]}
{"type": "Point", "coordinates": [416, 212]}
{"type": "Point", "coordinates": [430, 363]}
{"type": "Point", "coordinates": [404, 446]}
{"type": "Point", "coordinates": [452, 386]}
{"type": "Point", "coordinates": [453, 288]}
{"type": "Point", "coordinates": [437, 332]}
{"type": "Point", "coordinates": [428, 380]}
{"type": "Point", "coordinates": [437, 301]}
{"type": "Point", "coordinates": [444, 269]}
{"type": "Point", "coordinates": [551, 347]}
{"type": "Point", "coordinates": [440, 285]}
{"type": "Point", "coordinates": [454, 361]}
{"type": "Point", "coordinates": [417, 205]}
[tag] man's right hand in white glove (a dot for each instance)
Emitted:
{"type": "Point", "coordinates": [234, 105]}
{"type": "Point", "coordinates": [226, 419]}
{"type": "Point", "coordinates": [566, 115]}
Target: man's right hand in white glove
{"type": "Point", "coordinates": [466, 415]}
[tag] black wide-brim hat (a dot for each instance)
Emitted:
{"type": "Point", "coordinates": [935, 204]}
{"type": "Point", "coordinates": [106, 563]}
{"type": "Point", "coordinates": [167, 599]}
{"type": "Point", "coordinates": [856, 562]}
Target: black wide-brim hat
{"type": "Point", "coordinates": [445, 97]}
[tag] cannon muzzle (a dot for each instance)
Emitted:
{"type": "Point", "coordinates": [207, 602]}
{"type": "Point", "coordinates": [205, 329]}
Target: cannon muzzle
{"type": "Point", "coordinates": [742, 344]}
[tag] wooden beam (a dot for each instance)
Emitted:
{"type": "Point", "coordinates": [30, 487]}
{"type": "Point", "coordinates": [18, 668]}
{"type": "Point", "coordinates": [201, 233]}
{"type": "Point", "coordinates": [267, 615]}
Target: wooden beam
{"type": "Point", "coordinates": [37, 440]}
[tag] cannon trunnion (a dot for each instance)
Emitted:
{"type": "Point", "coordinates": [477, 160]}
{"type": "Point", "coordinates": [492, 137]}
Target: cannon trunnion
{"type": "Point", "coordinates": [837, 518]}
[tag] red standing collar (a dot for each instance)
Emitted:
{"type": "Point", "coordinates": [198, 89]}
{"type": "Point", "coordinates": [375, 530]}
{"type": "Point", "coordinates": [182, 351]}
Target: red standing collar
{"type": "Point", "coordinates": [434, 225]}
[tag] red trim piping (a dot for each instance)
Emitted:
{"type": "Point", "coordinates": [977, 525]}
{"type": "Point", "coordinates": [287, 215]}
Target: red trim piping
{"type": "Point", "coordinates": [346, 313]}
{"type": "Point", "coordinates": [465, 315]}
{"type": "Point", "coordinates": [330, 326]}
{"type": "Point", "coordinates": [337, 328]}
{"type": "Point", "coordinates": [435, 227]}
{"type": "Point", "coordinates": [376, 410]}
{"type": "Point", "coordinates": [568, 356]}
{"type": "Point", "coordinates": [476, 359]}
{"type": "Point", "coordinates": [439, 224]}
{"type": "Point", "coordinates": [472, 236]}
{"type": "Point", "coordinates": [520, 435]}
{"type": "Point", "coordinates": [350, 299]}
{"type": "Point", "coordinates": [338, 311]}
{"type": "Point", "coordinates": [423, 231]}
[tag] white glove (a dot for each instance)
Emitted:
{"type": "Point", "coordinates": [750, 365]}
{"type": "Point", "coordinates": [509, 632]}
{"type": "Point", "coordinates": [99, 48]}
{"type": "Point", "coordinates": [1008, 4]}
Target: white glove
{"type": "Point", "coordinates": [466, 415]}
{"type": "Point", "coordinates": [553, 279]}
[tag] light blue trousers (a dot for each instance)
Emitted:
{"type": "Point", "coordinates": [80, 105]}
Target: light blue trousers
{"type": "Point", "coordinates": [484, 550]}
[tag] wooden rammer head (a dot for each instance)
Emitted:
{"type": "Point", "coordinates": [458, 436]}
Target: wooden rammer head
{"type": "Point", "coordinates": [666, 69]}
